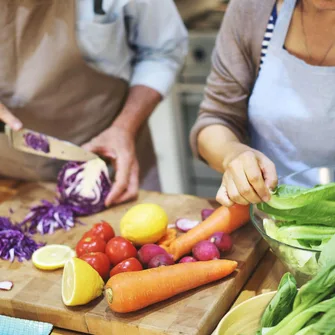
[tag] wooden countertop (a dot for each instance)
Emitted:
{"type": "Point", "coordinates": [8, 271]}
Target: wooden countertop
{"type": "Point", "coordinates": [265, 277]}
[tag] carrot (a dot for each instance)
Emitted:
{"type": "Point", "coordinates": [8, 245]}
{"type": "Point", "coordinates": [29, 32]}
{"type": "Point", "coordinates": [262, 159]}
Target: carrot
{"type": "Point", "coordinates": [131, 291]}
{"type": "Point", "coordinates": [223, 219]}
{"type": "Point", "coordinates": [166, 240]}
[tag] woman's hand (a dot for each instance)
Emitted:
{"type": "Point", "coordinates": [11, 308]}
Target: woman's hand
{"type": "Point", "coordinates": [248, 176]}
{"type": "Point", "coordinates": [8, 118]}
{"type": "Point", "coordinates": [118, 145]}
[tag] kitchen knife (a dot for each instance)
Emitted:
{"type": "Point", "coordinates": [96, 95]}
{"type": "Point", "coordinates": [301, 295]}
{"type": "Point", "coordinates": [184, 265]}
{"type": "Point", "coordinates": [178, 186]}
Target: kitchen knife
{"type": "Point", "coordinates": [47, 146]}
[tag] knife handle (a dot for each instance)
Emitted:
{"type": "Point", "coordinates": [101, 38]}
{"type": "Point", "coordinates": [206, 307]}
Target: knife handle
{"type": "Point", "coordinates": [2, 127]}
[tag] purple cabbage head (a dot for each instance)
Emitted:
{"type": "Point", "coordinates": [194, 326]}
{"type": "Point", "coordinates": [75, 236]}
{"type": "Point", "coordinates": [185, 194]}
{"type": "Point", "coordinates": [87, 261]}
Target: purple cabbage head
{"type": "Point", "coordinates": [37, 142]}
{"type": "Point", "coordinates": [84, 186]}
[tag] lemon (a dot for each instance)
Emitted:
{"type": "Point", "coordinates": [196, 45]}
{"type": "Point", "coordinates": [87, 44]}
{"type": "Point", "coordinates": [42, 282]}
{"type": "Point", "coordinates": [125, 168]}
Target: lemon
{"type": "Point", "coordinates": [80, 283]}
{"type": "Point", "coordinates": [53, 256]}
{"type": "Point", "coordinates": [144, 223]}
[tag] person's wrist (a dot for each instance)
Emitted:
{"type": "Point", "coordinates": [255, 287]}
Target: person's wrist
{"type": "Point", "coordinates": [231, 150]}
{"type": "Point", "coordinates": [127, 128]}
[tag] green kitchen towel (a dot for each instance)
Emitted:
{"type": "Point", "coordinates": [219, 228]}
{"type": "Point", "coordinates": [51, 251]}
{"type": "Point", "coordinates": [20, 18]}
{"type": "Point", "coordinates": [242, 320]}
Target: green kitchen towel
{"type": "Point", "coordinates": [14, 326]}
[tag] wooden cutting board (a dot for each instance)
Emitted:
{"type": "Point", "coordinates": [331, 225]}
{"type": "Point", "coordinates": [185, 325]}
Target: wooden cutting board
{"type": "Point", "coordinates": [36, 294]}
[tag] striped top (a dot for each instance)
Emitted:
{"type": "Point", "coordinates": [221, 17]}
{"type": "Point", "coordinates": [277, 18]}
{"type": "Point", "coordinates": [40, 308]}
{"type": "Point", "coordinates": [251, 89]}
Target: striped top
{"type": "Point", "coordinates": [268, 34]}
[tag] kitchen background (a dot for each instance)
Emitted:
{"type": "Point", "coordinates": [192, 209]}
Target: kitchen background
{"type": "Point", "coordinates": [173, 119]}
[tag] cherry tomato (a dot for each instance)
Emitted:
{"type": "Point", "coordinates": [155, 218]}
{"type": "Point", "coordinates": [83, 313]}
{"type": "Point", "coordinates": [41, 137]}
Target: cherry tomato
{"type": "Point", "coordinates": [90, 244]}
{"type": "Point", "coordinates": [99, 261]}
{"type": "Point", "coordinates": [90, 233]}
{"type": "Point", "coordinates": [103, 229]}
{"type": "Point", "coordinates": [128, 265]}
{"type": "Point", "coordinates": [118, 249]}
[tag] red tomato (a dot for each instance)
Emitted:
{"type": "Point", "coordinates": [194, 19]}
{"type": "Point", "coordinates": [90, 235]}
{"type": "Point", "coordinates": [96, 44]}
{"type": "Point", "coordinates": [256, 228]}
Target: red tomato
{"type": "Point", "coordinates": [128, 265]}
{"type": "Point", "coordinates": [90, 244]}
{"type": "Point", "coordinates": [103, 229]}
{"type": "Point", "coordinates": [99, 261]}
{"type": "Point", "coordinates": [90, 233]}
{"type": "Point", "coordinates": [118, 249]}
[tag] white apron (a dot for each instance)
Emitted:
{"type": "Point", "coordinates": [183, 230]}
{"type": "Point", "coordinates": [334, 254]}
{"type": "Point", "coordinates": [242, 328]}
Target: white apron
{"type": "Point", "coordinates": [292, 107]}
{"type": "Point", "coordinates": [45, 82]}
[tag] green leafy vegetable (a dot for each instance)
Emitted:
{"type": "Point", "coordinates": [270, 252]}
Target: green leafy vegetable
{"type": "Point", "coordinates": [282, 303]}
{"type": "Point", "coordinates": [322, 325]}
{"type": "Point", "coordinates": [308, 302]}
{"type": "Point", "coordinates": [327, 255]}
{"type": "Point", "coordinates": [288, 196]}
{"type": "Point", "coordinates": [321, 213]}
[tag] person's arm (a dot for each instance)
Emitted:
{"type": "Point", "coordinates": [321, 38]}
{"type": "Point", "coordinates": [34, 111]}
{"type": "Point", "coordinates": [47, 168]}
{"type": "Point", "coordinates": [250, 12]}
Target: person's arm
{"type": "Point", "coordinates": [220, 132]}
{"type": "Point", "coordinates": [159, 40]}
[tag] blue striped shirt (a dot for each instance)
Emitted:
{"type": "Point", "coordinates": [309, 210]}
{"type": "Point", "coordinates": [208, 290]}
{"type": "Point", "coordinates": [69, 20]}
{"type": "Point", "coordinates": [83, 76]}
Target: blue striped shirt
{"type": "Point", "coordinates": [268, 34]}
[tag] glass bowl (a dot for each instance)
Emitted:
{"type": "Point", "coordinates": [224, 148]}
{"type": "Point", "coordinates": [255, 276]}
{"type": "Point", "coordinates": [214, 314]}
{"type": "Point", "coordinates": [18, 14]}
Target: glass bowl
{"type": "Point", "coordinates": [301, 262]}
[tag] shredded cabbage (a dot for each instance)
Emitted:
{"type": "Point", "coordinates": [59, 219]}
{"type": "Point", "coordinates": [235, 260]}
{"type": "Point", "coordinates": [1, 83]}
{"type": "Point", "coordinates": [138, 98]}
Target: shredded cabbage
{"type": "Point", "coordinates": [14, 242]}
{"type": "Point", "coordinates": [48, 217]}
{"type": "Point", "coordinates": [38, 142]}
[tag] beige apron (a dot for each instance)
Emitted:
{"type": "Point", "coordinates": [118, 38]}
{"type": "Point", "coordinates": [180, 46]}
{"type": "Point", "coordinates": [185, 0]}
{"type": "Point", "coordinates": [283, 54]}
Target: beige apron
{"type": "Point", "coordinates": [46, 83]}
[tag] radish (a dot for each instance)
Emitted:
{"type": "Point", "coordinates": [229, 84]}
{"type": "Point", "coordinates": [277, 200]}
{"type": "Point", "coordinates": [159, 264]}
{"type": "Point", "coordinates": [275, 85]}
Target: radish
{"type": "Point", "coordinates": [205, 251]}
{"type": "Point", "coordinates": [6, 285]}
{"type": "Point", "coordinates": [148, 251]}
{"type": "Point", "coordinates": [205, 213]}
{"type": "Point", "coordinates": [160, 260]}
{"type": "Point", "coordinates": [186, 224]}
{"type": "Point", "coordinates": [187, 259]}
{"type": "Point", "coordinates": [222, 240]}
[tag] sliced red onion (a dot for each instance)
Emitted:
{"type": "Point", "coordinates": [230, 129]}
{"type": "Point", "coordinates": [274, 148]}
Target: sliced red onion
{"type": "Point", "coordinates": [186, 224]}
{"type": "Point", "coordinates": [6, 285]}
{"type": "Point", "coordinates": [205, 213]}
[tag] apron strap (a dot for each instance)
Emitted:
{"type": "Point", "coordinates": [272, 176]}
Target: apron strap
{"type": "Point", "coordinates": [282, 24]}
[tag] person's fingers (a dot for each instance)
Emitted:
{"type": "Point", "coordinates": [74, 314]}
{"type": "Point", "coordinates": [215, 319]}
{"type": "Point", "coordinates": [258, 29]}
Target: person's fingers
{"type": "Point", "coordinates": [269, 172]}
{"type": "Point", "coordinates": [7, 117]}
{"type": "Point", "coordinates": [238, 172]}
{"type": "Point", "coordinates": [233, 193]}
{"type": "Point", "coordinates": [222, 195]}
{"type": "Point", "coordinates": [132, 190]}
{"type": "Point", "coordinates": [122, 165]}
{"type": "Point", "coordinates": [255, 177]}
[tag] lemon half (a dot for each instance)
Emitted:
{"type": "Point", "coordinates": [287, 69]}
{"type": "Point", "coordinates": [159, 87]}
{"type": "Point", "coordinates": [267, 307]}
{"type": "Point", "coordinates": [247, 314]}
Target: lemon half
{"type": "Point", "coordinates": [144, 223]}
{"type": "Point", "coordinates": [53, 256]}
{"type": "Point", "coordinates": [80, 283]}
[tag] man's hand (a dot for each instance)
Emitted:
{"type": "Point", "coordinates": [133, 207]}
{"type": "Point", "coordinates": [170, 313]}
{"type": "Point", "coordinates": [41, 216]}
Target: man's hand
{"type": "Point", "coordinates": [8, 118]}
{"type": "Point", "coordinates": [118, 145]}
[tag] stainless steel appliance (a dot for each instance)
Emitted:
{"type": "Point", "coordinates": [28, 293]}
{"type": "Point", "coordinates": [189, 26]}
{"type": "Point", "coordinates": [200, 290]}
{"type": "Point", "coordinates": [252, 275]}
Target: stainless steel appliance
{"type": "Point", "coordinates": [203, 29]}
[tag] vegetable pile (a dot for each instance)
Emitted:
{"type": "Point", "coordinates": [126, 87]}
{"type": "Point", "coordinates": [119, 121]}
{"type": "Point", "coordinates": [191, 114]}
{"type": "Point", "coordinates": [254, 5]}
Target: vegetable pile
{"type": "Point", "coordinates": [82, 187]}
{"type": "Point", "coordinates": [304, 218]}
{"type": "Point", "coordinates": [308, 311]}
{"type": "Point", "coordinates": [14, 242]}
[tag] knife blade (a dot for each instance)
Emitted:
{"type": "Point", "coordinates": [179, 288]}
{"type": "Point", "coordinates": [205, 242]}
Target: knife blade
{"type": "Point", "coordinates": [46, 146]}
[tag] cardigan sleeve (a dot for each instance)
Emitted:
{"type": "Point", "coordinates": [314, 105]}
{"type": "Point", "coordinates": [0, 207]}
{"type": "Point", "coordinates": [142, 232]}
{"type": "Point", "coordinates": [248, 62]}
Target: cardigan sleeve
{"type": "Point", "coordinates": [231, 79]}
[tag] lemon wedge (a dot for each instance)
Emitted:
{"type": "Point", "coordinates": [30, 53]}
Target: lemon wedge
{"type": "Point", "coordinates": [144, 224]}
{"type": "Point", "coordinates": [53, 256]}
{"type": "Point", "coordinates": [80, 283]}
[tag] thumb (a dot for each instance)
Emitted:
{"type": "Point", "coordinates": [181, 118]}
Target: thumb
{"type": "Point", "coordinates": [269, 171]}
{"type": "Point", "coordinates": [89, 146]}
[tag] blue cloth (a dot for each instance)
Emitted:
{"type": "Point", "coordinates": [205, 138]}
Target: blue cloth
{"type": "Point", "coordinates": [14, 326]}
{"type": "Point", "coordinates": [292, 107]}
{"type": "Point", "coordinates": [143, 42]}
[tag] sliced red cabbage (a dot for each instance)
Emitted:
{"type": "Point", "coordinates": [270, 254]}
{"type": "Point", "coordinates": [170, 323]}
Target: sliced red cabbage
{"type": "Point", "coordinates": [38, 142]}
{"type": "Point", "coordinates": [84, 186]}
{"type": "Point", "coordinates": [48, 217]}
{"type": "Point", "coordinates": [14, 242]}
